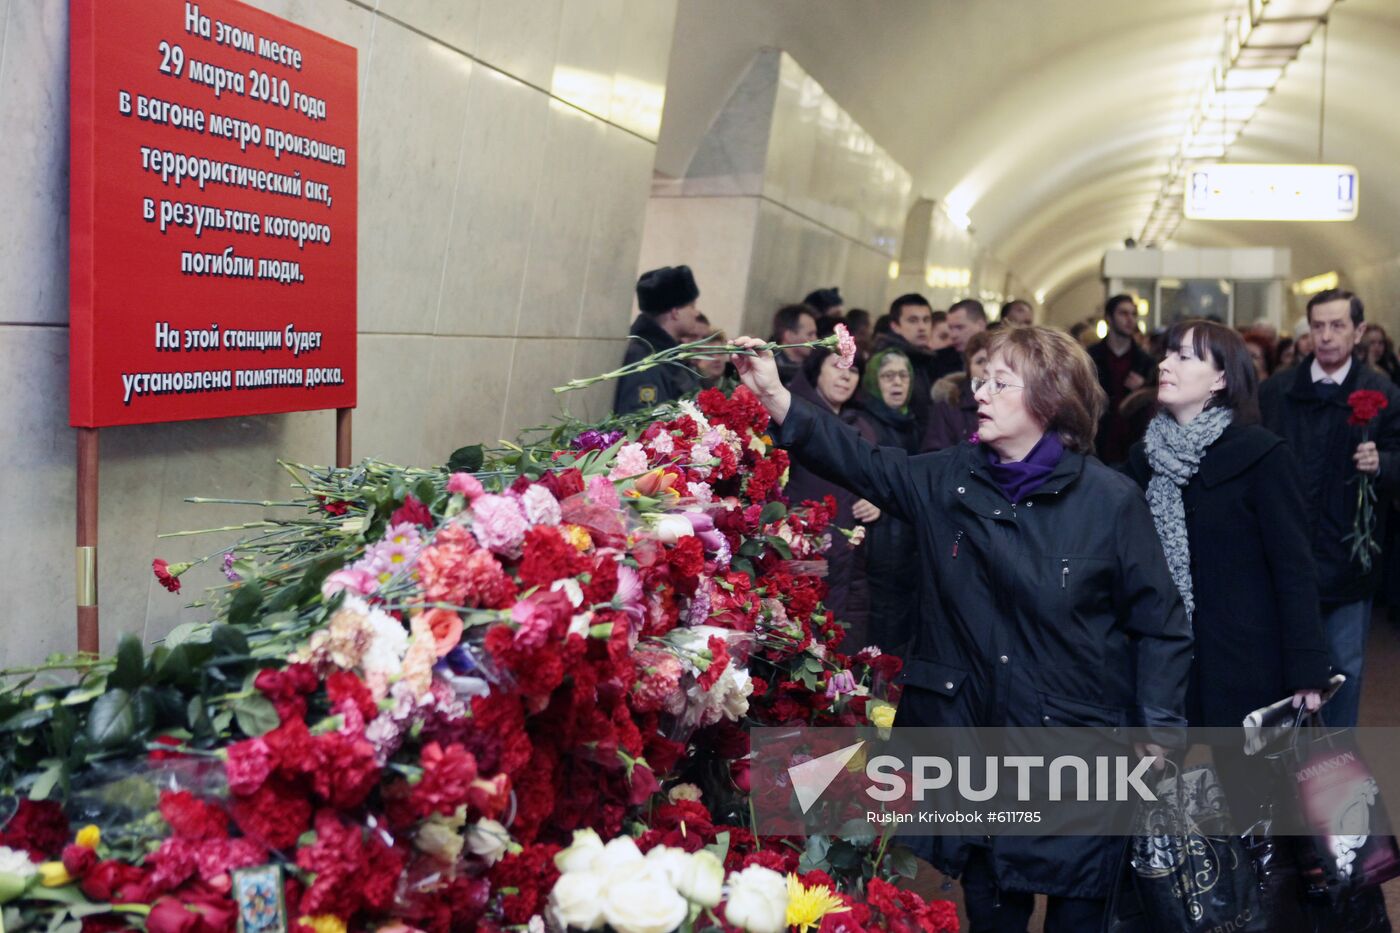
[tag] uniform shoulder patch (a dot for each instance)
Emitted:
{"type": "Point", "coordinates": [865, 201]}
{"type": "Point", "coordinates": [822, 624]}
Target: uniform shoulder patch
{"type": "Point", "coordinates": [646, 395]}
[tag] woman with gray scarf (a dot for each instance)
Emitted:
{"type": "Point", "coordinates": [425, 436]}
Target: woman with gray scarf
{"type": "Point", "coordinates": [1228, 506]}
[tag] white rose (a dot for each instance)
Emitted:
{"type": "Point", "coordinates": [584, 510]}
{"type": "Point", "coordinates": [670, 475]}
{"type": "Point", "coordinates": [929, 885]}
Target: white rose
{"type": "Point", "coordinates": [576, 900]}
{"type": "Point", "coordinates": [702, 882]}
{"type": "Point", "coordinates": [670, 862]}
{"type": "Point", "coordinates": [579, 856]}
{"type": "Point", "coordinates": [16, 862]}
{"type": "Point", "coordinates": [618, 853]}
{"type": "Point", "coordinates": [671, 528]}
{"type": "Point", "coordinates": [489, 840]}
{"type": "Point", "coordinates": [758, 900]}
{"type": "Point", "coordinates": [638, 898]}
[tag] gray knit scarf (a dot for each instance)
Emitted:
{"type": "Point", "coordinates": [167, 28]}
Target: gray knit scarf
{"type": "Point", "coordinates": [1174, 452]}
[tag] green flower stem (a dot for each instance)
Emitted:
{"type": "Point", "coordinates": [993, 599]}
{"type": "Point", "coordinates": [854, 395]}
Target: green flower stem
{"type": "Point", "coordinates": [685, 352]}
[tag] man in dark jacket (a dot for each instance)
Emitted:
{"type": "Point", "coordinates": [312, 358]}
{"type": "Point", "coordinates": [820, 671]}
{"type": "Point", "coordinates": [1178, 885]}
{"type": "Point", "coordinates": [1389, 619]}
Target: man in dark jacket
{"type": "Point", "coordinates": [911, 333]}
{"type": "Point", "coordinates": [1123, 369]}
{"type": "Point", "coordinates": [1307, 406]}
{"type": "Point", "coordinates": [669, 317]}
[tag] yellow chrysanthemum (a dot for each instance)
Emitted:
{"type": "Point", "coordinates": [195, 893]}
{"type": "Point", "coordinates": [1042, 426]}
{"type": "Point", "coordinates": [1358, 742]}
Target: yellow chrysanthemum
{"type": "Point", "coordinates": [89, 836]}
{"type": "Point", "coordinates": [325, 923]}
{"type": "Point", "coordinates": [807, 905]}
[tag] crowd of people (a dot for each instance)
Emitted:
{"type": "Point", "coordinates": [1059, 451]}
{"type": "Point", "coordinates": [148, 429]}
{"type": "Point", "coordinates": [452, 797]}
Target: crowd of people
{"type": "Point", "coordinates": [1148, 531]}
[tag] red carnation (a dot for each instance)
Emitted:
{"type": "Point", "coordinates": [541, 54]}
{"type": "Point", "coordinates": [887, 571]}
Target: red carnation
{"type": "Point", "coordinates": [114, 881]}
{"type": "Point", "coordinates": [334, 507]}
{"type": "Point", "coordinates": [167, 579]}
{"type": "Point", "coordinates": [192, 818]}
{"type": "Point", "coordinates": [447, 777]}
{"type": "Point", "coordinates": [1365, 404]}
{"type": "Point", "coordinates": [413, 512]}
{"type": "Point", "coordinates": [719, 660]}
{"type": "Point", "coordinates": [248, 765]}
{"type": "Point", "coordinates": [547, 557]}
{"type": "Point", "coordinates": [345, 687]}
{"type": "Point", "coordinates": [564, 483]}
{"type": "Point", "coordinates": [38, 827]}
{"type": "Point", "coordinates": [345, 770]}
{"type": "Point", "coordinates": [276, 814]}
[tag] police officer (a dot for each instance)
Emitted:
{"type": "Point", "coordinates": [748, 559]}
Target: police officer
{"type": "Point", "coordinates": [669, 317]}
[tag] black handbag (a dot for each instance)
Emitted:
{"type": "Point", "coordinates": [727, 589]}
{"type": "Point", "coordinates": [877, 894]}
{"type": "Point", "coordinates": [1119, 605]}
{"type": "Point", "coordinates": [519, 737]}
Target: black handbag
{"type": "Point", "coordinates": [1189, 874]}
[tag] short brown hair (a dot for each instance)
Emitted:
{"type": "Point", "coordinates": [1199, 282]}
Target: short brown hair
{"type": "Point", "coordinates": [1062, 386]}
{"type": "Point", "coordinates": [976, 344]}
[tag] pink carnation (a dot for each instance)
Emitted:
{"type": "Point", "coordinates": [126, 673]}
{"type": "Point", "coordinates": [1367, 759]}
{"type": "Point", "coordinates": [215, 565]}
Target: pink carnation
{"type": "Point", "coordinates": [846, 346]}
{"type": "Point", "coordinates": [499, 525]}
{"type": "Point", "coordinates": [631, 461]}
{"type": "Point", "coordinates": [660, 677]}
{"type": "Point", "coordinates": [248, 766]}
{"type": "Point", "coordinates": [603, 492]}
{"type": "Point", "coordinates": [541, 508]}
{"type": "Point", "coordinates": [357, 580]}
{"type": "Point", "coordinates": [467, 485]}
{"type": "Point", "coordinates": [541, 617]}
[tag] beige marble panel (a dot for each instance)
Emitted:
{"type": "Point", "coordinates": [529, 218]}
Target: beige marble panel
{"type": "Point", "coordinates": [520, 37]}
{"type": "Point", "coordinates": [36, 511]}
{"type": "Point", "coordinates": [585, 63]}
{"type": "Point", "coordinates": [557, 260]}
{"type": "Point", "coordinates": [716, 237]}
{"type": "Point", "coordinates": [412, 120]}
{"type": "Point", "coordinates": [470, 377]}
{"type": "Point", "coordinates": [454, 22]}
{"type": "Point", "coordinates": [34, 151]}
{"type": "Point", "coordinates": [497, 182]}
{"type": "Point", "coordinates": [395, 376]}
{"type": "Point", "coordinates": [538, 365]}
{"type": "Point", "coordinates": [592, 357]}
{"type": "Point", "coordinates": [639, 89]}
{"type": "Point", "coordinates": [624, 178]}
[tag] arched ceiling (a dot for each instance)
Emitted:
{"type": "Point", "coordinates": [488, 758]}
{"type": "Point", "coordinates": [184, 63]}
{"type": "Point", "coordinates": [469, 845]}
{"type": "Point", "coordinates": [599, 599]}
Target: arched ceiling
{"type": "Point", "coordinates": [1050, 122]}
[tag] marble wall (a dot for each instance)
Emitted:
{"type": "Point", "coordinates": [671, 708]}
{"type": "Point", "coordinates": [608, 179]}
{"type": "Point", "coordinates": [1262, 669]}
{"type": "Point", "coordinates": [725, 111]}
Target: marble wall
{"type": "Point", "coordinates": [506, 153]}
{"type": "Point", "coordinates": [784, 193]}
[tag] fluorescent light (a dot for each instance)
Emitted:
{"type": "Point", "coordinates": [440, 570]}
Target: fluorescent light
{"type": "Point", "coordinates": [894, 269]}
{"type": "Point", "coordinates": [1316, 283]}
{"type": "Point", "coordinates": [1287, 32]}
{"type": "Point", "coordinates": [1239, 191]}
{"type": "Point", "coordinates": [1101, 328]}
{"type": "Point", "coordinates": [1040, 296]}
{"type": "Point", "coordinates": [1238, 79]}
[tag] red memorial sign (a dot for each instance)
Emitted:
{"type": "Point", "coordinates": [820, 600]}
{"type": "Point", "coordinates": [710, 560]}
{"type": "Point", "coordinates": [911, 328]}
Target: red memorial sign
{"type": "Point", "coordinates": [213, 214]}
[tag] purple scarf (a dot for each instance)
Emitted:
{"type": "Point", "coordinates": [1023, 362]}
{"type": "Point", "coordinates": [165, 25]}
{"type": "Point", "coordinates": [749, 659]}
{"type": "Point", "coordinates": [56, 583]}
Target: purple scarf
{"type": "Point", "coordinates": [1019, 478]}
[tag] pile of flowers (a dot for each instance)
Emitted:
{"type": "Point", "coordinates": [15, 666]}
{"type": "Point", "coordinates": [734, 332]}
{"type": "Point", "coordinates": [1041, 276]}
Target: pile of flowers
{"type": "Point", "coordinates": [509, 694]}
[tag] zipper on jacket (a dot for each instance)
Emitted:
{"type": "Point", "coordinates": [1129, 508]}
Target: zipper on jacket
{"type": "Point", "coordinates": [1064, 574]}
{"type": "Point", "coordinates": [956, 539]}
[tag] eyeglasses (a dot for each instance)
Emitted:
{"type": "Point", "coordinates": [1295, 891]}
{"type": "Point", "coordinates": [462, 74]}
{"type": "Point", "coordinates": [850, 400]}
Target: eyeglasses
{"type": "Point", "coordinates": [997, 386]}
{"type": "Point", "coordinates": [894, 376]}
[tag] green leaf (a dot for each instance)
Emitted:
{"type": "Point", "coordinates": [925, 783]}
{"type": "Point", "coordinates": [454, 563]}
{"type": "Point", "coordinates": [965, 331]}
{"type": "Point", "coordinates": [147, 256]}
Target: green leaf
{"type": "Point", "coordinates": [112, 721]}
{"type": "Point", "coordinates": [131, 664]}
{"type": "Point", "coordinates": [467, 459]}
{"type": "Point", "coordinates": [246, 600]}
{"type": "Point", "coordinates": [781, 546]}
{"type": "Point", "coordinates": [720, 847]}
{"type": "Point", "coordinates": [813, 665]}
{"type": "Point", "coordinates": [228, 640]}
{"type": "Point", "coordinates": [902, 862]}
{"type": "Point", "coordinates": [843, 856]}
{"type": "Point", "coordinates": [256, 715]}
{"type": "Point", "coordinates": [772, 512]}
{"type": "Point", "coordinates": [44, 785]}
{"type": "Point", "coordinates": [89, 690]}
{"type": "Point", "coordinates": [186, 632]}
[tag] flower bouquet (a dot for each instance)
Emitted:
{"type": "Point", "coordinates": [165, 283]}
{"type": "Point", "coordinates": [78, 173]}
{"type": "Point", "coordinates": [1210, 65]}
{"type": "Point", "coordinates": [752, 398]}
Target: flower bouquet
{"type": "Point", "coordinates": [507, 694]}
{"type": "Point", "coordinates": [1366, 405]}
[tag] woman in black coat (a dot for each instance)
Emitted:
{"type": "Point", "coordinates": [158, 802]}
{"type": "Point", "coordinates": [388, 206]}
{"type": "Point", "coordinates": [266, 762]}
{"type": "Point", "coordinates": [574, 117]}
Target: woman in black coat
{"type": "Point", "coordinates": [826, 385]}
{"type": "Point", "coordinates": [1228, 504]}
{"type": "Point", "coordinates": [1044, 595]}
{"type": "Point", "coordinates": [891, 548]}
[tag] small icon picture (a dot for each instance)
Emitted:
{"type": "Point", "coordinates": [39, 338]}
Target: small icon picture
{"type": "Point", "coordinates": [259, 895]}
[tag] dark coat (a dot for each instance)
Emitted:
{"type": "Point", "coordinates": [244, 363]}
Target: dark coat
{"type": "Point", "coordinates": [1140, 363]}
{"type": "Point", "coordinates": [1257, 625]}
{"type": "Point", "coordinates": [848, 595]}
{"type": "Point", "coordinates": [1057, 610]}
{"type": "Point", "coordinates": [651, 387]}
{"type": "Point", "coordinates": [891, 547]}
{"type": "Point", "coordinates": [954, 415]}
{"type": "Point", "coordinates": [1322, 442]}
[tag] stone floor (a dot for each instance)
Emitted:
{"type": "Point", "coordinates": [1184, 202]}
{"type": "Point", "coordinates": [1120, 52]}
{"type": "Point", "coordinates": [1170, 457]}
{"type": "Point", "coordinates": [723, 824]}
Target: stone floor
{"type": "Point", "coordinates": [1380, 706]}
